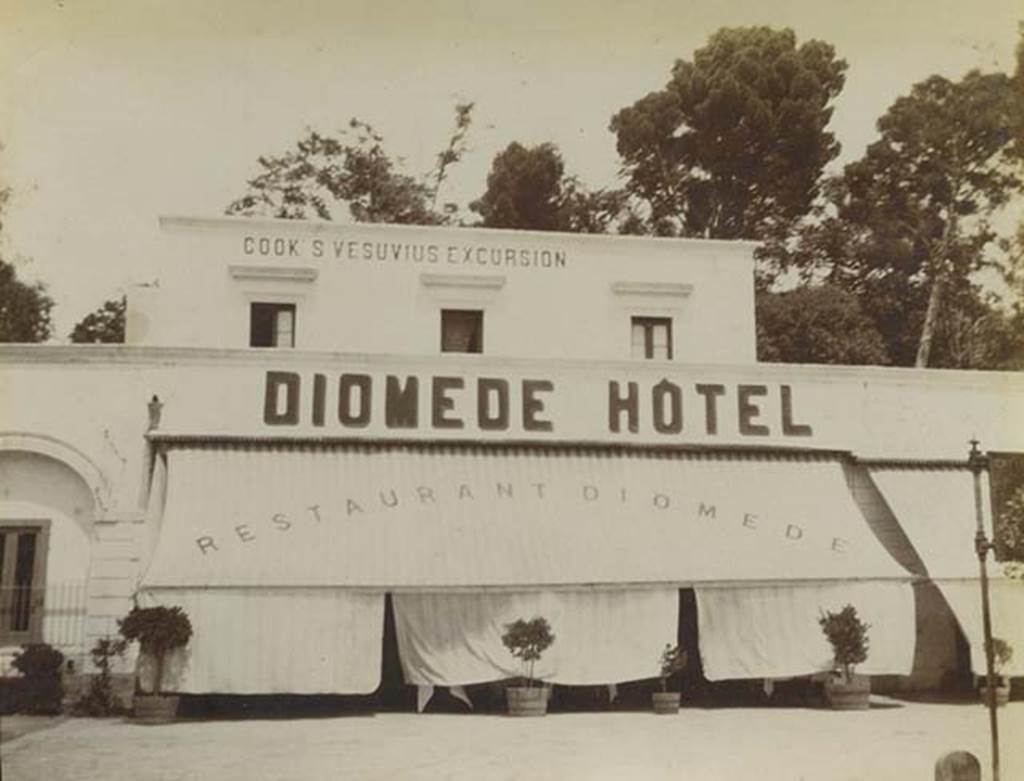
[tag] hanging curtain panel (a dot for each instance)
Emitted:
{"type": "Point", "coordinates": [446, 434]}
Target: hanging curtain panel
{"type": "Point", "coordinates": [270, 641]}
{"type": "Point", "coordinates": [936, 509]}
{"type": "Point", "coordinates": [1006, 600]}
{"type": "Point", "coordinates": [773, 631]}
{"type": "Point", "coordinates": [155, 499]}
{"type": "Point", "coordinates": [601, 636]}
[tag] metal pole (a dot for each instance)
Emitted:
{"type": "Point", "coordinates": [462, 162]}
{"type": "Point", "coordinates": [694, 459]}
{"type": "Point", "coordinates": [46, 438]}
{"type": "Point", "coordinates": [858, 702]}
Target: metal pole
{"type": "Point", "coordinates": [979, 463]}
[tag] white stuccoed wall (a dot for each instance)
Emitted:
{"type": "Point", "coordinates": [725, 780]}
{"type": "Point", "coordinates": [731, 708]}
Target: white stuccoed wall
{"type": "Point", "coordinates": [578, 308]}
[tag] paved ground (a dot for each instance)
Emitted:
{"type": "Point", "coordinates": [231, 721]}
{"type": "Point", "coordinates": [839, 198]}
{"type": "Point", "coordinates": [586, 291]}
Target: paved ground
{"type": "Point", "coordinates": [17, 724]}
{"type": "Point", "coordinates": [897, 741]}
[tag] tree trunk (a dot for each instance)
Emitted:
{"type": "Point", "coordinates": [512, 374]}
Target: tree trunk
{"type": "Point", "coordinates": [924, 346]}
{"type": "Point", "coordinates": [938, 264]}
{"type": "Point", "coordinates": [158, 683]}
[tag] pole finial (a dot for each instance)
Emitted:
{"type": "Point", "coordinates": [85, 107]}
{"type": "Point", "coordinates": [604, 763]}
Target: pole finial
{"type": "Point", "coordinates": [976, 460]}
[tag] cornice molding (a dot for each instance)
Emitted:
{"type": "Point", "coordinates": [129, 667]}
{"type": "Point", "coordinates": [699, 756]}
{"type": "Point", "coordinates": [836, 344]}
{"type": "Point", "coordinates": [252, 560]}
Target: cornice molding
{"type": "Point", "coordinates": [483, 282]}
{"type": "Point", "coordinates": [69, 355]}
{"type": "Point", "coordinates": [273, 273]}
{"type": "Point", "coordinates": [652, 289]}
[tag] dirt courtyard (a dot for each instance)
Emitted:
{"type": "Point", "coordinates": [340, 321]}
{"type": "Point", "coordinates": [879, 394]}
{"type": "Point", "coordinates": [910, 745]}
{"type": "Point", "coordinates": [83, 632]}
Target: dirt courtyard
{"type": "Point", "coordinates": [895, 740]}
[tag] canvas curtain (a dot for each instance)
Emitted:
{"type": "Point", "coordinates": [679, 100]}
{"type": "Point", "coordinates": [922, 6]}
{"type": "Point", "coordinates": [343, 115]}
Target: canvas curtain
{"type": "Point", "coordinates": [936, 509]}
{"type": "Point", "coordinates": [267, 641]}
{"type": "Point", "coordinates": [1006, 599]}
{"type": "Point", "coordinates": [601, 636]}
{"type": "Point", "coordinates": [773, 631]}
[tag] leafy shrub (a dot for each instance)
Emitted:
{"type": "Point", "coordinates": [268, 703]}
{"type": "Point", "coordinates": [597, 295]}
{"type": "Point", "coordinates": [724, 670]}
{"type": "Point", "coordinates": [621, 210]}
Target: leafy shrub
{"type": "Point", "coordinates": [848, 636]}
{"type": "Point", "coordinates": [527, 640]}
{"type": "Point", "coordinates": [99, 700]}
{"type": "Point", "coordinates": [41, 689]}
{"type": "Point", "coordinates": [38, 660]}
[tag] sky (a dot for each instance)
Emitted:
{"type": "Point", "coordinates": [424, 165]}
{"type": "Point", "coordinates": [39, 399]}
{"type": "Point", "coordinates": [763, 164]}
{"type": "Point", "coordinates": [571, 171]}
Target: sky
{"type": "Point", "coordinates": [113, 113]}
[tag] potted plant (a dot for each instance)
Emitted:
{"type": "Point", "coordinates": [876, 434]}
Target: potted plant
{"type": "Point", "coordinates": [159, 630]}
{"type": "Point", "coordinates": [527, 640]}
{"type": "Point", "coordinates": [848, 636]}
{"type": "Point", "coordinates": [673, 660]}
{"type": "Point", "coordinates": [1002, 653]}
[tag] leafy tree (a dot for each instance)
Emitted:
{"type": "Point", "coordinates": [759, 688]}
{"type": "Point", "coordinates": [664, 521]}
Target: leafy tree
{"type": "Point", "coordinates": [1009, 537]}
{"type": "Point", "coordinates": [527, 188]}
{"type": "Point", "coordinates": [816, 324]}
{"type": "Point", "coordinates": [848, 636]}
{"type": "Point", "coordinates": [906, 227]}
{"type": "Point", "coordinates": [106, 324]}
{"type": "Point", "coordinates": [1007, 487]}
{"type": "Point", "coordinates": [452, 153]}
{"type": "Point", "coordinates": [974, 332]}
{"type": "Point", "coordinates": [596, 211]}
{"type": "Point", "coordinates": [527, 640]}
{"type": "Point", "coordinates": [735, 144]}
{"type": "Point", "coordinates": [24, 307]}
{"type": "Point", "coordinates": [524, 189]}
{"type": "Point", "coordinates": [351, 167]}
{"type": "Point", "coordinates": [159, 630]}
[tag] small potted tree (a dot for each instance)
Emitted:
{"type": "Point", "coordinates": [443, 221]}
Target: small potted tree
{"type": "Point", "coordinates": [159, 630]}
{"type": "Point", "coordinates": [1002, 653]}
{"type": "Point", "coordinates": [848, 636]}
{"type": "Point", "coordinates": [673, 660]}
{"type": "Point", "coordinates": [527, 640]}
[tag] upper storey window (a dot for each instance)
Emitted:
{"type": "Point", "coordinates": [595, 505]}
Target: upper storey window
{"type": "Point", "coordinates": [272, 325]}
{"type": "Point", "coordinates": [462, 331]}
{"type": "Point", "coordinates": [651, 338]}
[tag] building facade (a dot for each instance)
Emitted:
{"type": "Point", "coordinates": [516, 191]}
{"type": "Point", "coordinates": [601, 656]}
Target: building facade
{"type": "Point", "coordinates": [314, 429]}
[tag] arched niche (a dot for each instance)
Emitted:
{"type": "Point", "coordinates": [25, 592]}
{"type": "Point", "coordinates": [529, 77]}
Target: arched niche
{"type": "Point", "coordinates": [68, 455]}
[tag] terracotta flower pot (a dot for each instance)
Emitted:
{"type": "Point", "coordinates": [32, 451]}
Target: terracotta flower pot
{"type": "Point", "coordinates": [665, 703]}
{"type": "Point", "coordinates": [156, 708]}
{"type": "Point", "coordinates": [523, 701]}
{"type": "Point", "coordinates": [854, 694]}
{"type": "Point", "coordinates": [1002, 691]}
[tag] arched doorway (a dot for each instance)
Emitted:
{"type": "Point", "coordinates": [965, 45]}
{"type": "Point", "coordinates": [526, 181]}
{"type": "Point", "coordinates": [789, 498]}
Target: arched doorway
{"type": "Point", "coordinates": [47, 510]}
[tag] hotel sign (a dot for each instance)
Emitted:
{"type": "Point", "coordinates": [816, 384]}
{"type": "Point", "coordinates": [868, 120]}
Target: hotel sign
{"type": "Point", "coordinates": [665, 408]}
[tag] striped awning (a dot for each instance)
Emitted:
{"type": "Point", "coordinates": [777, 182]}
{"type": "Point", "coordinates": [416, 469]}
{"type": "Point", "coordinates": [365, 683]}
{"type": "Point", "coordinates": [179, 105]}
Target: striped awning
{"type": "Point", "coordinates": [470, 517]}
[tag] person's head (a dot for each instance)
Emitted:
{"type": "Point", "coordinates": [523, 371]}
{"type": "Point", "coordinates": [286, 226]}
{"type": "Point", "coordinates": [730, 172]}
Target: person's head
{"type": "Point", "coordinates": [958, 766]}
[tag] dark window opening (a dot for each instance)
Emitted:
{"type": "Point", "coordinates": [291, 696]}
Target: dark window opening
{"type": "Point", "coordinates": [462, 331]}
{"type": "Point", "coordinates": [21, 552]}
{"type": "Point", "coordinates": [272, 325]}
{"type": "Point", "coordinates": [651, 338]}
